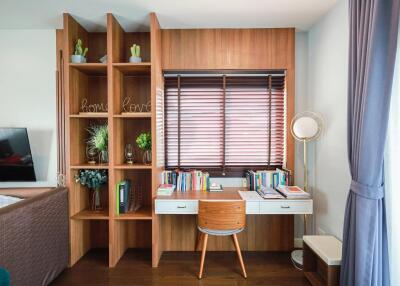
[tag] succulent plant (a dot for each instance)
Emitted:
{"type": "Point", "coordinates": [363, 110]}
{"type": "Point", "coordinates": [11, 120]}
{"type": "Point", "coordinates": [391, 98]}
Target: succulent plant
{"type": "Point", "coordinates": [135, 51]}
{"type": "Point", "coordinates": [98, 137]}
{"type": "Point", "coordinates": [79, 49]}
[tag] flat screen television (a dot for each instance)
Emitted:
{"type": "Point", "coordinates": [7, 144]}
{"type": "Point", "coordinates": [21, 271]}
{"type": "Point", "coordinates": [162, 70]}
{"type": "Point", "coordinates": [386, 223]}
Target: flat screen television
{"type": "Point", "coordinates": [16, 162]}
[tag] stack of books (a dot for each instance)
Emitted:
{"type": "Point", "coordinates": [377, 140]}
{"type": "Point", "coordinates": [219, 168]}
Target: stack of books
{"type": "Point", "coordinates": [267, 179]}
{"type": "Point", "coordinates": [127, 200]}
{"type": "Point", "coordinates": [165, 190]}
{"type": "Point", "coordinates": [293, 192]}
{"type": "Point", "coordinates": [187, 180]}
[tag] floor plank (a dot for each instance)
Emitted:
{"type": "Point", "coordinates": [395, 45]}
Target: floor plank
{"type": "Point", "coordinates": [181, 269]}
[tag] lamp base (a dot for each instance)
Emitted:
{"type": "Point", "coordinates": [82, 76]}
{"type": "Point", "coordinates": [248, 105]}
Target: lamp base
{"type": "Point", "coordinates": [297, 258]}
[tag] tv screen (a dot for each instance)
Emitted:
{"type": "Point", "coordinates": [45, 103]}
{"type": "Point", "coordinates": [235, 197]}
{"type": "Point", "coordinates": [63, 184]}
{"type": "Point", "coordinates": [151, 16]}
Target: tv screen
{"type": "Point", "coordinates": [16, 162]}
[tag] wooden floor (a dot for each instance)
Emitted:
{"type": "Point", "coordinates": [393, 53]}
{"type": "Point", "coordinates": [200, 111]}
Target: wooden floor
{"type": "Point", "coordinates": [181, 268]}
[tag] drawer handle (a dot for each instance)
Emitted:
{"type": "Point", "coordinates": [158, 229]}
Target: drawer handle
{"type": "Point", "coordinates": [181, 207]}
{"type": "Point", "coordinates": [285, 207]}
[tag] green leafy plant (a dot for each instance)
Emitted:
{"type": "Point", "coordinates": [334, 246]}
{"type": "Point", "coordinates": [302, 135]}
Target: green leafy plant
{"type": "Point", "coordinates": [79, 49]}
{"type": "Point", "coordinates": [144, 141]}
{"type": "Point", "coordinates": [135, 51]}
{"type": "Point", "coordinates": [92, 179]}
{"type": "Point", "coordinates": [98, 137]}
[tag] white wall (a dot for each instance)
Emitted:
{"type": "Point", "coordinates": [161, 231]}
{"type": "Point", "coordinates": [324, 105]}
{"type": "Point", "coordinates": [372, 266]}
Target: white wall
{"type": "Point", "coordinates": [28, 95]}
{"type": "Point", "coordinates": [327, 94]}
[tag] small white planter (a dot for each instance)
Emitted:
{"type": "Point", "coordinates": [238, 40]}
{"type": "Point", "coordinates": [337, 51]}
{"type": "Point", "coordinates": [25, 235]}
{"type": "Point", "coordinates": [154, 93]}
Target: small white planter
{"type": "Point", "coordinates": [77, 59]}
{"type": "Point", "coordinates": [135, 59]}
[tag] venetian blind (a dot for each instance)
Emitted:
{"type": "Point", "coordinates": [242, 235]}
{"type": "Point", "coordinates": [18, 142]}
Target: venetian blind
{"type": "Point", "coordinates": [225, 122]}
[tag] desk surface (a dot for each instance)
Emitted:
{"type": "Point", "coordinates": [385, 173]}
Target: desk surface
{"type": "Point", "coordinates": [230, 193]}
{"type": "Point", "coordinates": [226, 194]}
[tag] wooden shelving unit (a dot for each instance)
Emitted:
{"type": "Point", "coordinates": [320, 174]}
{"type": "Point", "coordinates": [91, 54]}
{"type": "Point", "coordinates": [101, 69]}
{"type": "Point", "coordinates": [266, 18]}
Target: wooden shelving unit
{"type": "Point", "coordinates": [111, 84]}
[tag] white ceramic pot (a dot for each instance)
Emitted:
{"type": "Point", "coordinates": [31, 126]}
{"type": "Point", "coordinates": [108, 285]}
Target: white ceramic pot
{"type": "Point", "coordinates": [135, 59]}
{"type": "Point", "coordinates": [77, 59]}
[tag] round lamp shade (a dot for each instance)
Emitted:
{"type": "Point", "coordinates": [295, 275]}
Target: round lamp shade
{"type": "Point", "coordinates": [306, 126]}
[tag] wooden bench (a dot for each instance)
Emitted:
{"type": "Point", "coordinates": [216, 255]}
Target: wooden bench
{"type": "Point", "coordinates": [322, 259]}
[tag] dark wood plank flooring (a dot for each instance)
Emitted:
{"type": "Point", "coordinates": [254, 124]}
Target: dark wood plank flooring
{"type": "Point", "coordinates": [181, 268]}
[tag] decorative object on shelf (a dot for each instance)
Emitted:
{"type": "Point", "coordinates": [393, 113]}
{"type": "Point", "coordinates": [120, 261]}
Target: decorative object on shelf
{"type": "Point", "coordinates": [99, 140]}
{"type": "Point", "coordinates": [93, 108]}
{"type": "Point", "coordinates": [305, 127]}
{"type": "Point", "coordinates": [103, 59]}
{"type": "Point", "coordinates": [91, 153]}
{"type": "Point", "coordinates": [144, 143]}
{"type": "Point", "coordinates": [79, 55]}
{"type": "Point", "coordinates": [128, 106]}
{"type": "Point", "coordinates": [93, 179]}
{"type": "Point", "coordinates": [135, 51]}
{"type": "Point", "coordinates": [129, 153]}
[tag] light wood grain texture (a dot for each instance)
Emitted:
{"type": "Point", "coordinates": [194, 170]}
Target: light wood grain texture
{"type": "Point", "coordinates": [228, 49]}
{"type": "Point", "coordinates": [203, 254]}
{"type": "Point", "coordinates": [239, 254]}
{"type": "Point", "coordinates": [262, 233]}
{"type": "Point", "coordinates": [157, 83]}
{"type": "Point", "coordinates": [222, 215]}
{"type": "Point", "coordinates": [317, 271]}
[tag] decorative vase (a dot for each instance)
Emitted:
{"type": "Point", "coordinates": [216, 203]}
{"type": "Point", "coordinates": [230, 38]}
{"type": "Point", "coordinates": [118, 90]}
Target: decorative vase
{"type": "Point", "coordinates": [147, 157]}
{"type": "Point", "coordinates": [135, 59]}
{"type": "Point", "coordinates": [95, 200]}
{"type": "Point", "coordinates": [103, 157]}
{"type": "Point", "coordinates": [78, 59]}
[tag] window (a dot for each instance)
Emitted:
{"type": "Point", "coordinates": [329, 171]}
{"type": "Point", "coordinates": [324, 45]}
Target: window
{"type": "Point", "coordinates": [225, 123]}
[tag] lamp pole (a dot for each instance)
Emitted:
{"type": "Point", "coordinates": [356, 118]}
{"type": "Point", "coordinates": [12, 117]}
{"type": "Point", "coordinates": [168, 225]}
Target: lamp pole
{"type": "Point", "coordinates": [305, 180]}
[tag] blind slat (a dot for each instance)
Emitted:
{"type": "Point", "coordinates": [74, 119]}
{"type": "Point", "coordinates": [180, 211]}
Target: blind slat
{"type": "Point", "coordinates": [224, 121]}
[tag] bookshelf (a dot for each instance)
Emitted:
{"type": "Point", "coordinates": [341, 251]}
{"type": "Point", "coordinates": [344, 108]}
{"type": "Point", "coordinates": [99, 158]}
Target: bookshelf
{"type": "Point", "coordinates": [128, 89]}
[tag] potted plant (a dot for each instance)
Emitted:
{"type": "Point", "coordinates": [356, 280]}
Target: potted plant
{"type": "Point", "coordinates": [135, 51]}
{"type": "Point", "coordinates": [93, 179]}
{"type": "Point", "coordinates": [99, 141]}
{"type": "Point", "coordinates": [144, 143]}
{"type": "Point", "coordinates": [79, 55]}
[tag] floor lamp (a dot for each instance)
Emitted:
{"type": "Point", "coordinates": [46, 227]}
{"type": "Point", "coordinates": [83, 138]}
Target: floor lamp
{"type": "Point", "coordinates": [305, 127]}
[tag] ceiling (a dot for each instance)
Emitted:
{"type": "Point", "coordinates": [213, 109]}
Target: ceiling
{"type": "Point", "coordinates": [132, 14]}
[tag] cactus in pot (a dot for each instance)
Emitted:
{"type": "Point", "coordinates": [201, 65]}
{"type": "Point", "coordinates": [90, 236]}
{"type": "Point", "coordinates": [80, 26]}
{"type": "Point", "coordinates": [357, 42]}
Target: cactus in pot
{"type": "Point", "coordinates": [135, 52]}
{"type": "Point", "coordinates": [79, 55]}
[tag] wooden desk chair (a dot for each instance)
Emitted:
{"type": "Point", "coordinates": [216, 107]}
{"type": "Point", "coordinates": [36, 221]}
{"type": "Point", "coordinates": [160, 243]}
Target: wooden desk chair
{"type": "Point", "coordinates": [221, 218]}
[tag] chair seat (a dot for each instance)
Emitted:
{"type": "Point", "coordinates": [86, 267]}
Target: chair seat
{"type": "Point", "coordinates": [220, 232]}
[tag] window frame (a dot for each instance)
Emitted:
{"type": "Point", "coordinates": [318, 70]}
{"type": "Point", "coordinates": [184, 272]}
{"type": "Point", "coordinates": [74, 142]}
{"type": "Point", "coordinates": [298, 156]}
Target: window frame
{"type": "Point", "coordinates": [230, 170]}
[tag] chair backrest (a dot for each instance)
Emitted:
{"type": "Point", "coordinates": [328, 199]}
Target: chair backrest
{"type": "Point", "coordinates": [222, 215]}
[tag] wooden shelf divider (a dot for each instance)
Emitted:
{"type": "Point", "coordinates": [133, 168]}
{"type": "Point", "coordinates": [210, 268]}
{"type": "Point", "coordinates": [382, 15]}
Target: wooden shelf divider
{"type": "Point", "coordinates": [91, 215]}
{"type": "Point", "coordinates": [109, 84]}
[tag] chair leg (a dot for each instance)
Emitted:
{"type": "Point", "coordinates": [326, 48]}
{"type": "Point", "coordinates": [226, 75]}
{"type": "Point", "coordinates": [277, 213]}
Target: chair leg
{"type": "Point", "coordinates": [203, 254]}
{"type": "Point", "coordinates": [198, 240]}
{"type": "Point", "coordinates": [239, 254]}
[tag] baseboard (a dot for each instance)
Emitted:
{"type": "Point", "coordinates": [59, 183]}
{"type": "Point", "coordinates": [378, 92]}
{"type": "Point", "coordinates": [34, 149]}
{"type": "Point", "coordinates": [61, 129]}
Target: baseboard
{"type": "Point", "coordinates": [298, 242]}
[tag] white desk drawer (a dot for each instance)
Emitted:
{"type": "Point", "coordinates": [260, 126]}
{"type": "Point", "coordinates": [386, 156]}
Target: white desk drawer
{"type": "Point", "coordinates": [286, 207]}
{"type": "Point", "coordinates": [252, 207]}
{"type": "Point", "coordinates": [176, 206]}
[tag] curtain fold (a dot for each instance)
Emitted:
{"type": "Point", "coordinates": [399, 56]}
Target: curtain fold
{"type": "Point", "coordinates": [372, 53]}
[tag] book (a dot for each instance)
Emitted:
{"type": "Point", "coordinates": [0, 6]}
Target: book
{"type": "Point", "coordinates": [124, 194]}
{"type": "Point", "coordinates": [165, 190]}
{"type": "Point", "coordinates": [193, 180]}
{"type": "Point", "coordinates": [269, 193]}
{"type": "Point", "coordinates": [293, 192]}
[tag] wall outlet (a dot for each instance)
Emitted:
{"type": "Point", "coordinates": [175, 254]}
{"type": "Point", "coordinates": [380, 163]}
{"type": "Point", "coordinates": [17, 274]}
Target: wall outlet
{"type": "Point", "coordinates": [321, 231]}
{"type": "Point", "coordinates": [244, 183]}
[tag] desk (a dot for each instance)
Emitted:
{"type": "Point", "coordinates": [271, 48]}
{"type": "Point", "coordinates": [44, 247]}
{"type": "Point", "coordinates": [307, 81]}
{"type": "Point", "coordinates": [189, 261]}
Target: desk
{"type": "Point", "coordinates": [269, 222]}
{"type": "Point", "coordinates": [187, 203]}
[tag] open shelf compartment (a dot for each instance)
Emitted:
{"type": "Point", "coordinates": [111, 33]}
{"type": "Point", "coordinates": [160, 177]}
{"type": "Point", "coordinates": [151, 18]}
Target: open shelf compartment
{"type": "Point", "coordinates": [79, 137]}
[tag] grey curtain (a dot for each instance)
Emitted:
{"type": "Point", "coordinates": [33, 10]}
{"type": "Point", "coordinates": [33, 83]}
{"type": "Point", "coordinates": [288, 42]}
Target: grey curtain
{"type": "Point", "coordinates": [372, 54]}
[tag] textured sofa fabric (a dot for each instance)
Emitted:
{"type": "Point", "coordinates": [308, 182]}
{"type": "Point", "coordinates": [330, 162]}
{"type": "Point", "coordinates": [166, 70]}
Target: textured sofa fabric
{"type": "Point", "coordinates": [34, 238]}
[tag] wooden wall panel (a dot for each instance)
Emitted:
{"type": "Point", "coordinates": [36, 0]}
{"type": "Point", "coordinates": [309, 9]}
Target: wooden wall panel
{"type": "Point", "coordinates": [262, 233]}
{"type": "Point", "coordinates": [227, 49]}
